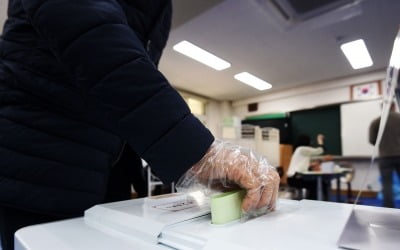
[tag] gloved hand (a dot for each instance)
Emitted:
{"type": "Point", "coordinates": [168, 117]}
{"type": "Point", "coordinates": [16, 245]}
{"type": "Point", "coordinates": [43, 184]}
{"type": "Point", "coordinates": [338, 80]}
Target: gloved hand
{"type": "Point", "coordinates": [228, 165]}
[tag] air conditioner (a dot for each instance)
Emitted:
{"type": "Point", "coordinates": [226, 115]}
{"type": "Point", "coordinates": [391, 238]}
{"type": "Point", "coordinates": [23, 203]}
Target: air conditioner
{"type": "Point", "coordinates": [290, 14]}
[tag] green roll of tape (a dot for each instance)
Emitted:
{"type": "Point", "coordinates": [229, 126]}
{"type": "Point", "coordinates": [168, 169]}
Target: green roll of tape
{"type": "Point", "coordinates": [226, 207]}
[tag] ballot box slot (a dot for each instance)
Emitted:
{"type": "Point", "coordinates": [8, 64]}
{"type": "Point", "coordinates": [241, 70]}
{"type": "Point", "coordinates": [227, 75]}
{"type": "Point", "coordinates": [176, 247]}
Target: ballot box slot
{"type": "Point", "coordinates": [138, 219]}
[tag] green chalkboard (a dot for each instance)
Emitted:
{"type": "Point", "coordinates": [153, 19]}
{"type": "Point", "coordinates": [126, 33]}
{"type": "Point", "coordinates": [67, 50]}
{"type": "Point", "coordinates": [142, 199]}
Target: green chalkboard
{"type": "Point", "coordinates": [324, 120]}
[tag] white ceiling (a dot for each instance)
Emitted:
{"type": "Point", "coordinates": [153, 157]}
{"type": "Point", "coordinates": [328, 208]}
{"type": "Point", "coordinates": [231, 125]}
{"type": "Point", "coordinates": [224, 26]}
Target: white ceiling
{"type": "Point", "coordinates": [239, 32]}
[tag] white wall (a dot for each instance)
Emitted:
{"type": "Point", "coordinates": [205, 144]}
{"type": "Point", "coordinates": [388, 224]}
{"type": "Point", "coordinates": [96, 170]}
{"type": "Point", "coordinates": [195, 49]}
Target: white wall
{"type": "Point", "coordinates": [226, 109]}
{"type": "Point", "coordinates": [355, 133]}
{"type": "Point", "coordinates": [216, 111]}
{"type": "Point", "coordinates": [304, 97]}
{"type": "Point", "coordinates": [309, 96]}
{"type": "Point", "coordinates": [3, 13]}
{"type": "Point", "coordinates": [213, 117]}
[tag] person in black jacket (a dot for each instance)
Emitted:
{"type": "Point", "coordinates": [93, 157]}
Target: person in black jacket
{"type": "Point", "coordinates": [78, 84]}
{"type": "Point", "coordinates": [389, 152]}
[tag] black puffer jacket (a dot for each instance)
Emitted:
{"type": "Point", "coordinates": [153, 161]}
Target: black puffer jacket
{"type": "Point", "coordinates": [78, 80]}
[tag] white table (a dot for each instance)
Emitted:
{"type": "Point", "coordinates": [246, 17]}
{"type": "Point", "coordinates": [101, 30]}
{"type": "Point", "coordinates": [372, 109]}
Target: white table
{"type": "Point", "coordinates": [319, 175]}
{"type": "Point", "coordinates": [361, 167]}
{"type": "Point", "coordinates": [295, 225]}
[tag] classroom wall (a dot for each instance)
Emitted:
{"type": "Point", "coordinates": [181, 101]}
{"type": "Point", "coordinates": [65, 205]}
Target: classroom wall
{"type": "Point", "coordinates": [355, 132]}
{"type": "Point", "coordinates": [311, 96]}
{"type": "Point", "coordinates": [216, 111]}
{"type": "Point", "coordinates": [305, 97]}
{"type": "Point", "coordinates": [213, 117]}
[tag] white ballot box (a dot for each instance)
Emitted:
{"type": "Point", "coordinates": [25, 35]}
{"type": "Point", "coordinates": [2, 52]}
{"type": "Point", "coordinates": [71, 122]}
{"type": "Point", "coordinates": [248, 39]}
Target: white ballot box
{"type": "Point", "coordinates": [139, 224]}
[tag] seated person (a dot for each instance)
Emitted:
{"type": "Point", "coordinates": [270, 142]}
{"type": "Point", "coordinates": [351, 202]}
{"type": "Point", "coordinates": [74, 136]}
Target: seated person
{"type": "Point", "coordinates": [301, 162]}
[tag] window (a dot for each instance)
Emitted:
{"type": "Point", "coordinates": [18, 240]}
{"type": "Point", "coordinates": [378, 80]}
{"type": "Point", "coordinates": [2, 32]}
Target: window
{"type": "Point", "coordinates": [196, 106]}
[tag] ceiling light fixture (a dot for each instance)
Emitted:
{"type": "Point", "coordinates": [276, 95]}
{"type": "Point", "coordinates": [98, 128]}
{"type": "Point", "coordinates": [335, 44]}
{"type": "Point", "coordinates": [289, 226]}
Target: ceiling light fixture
{"type": "Point", "coordinates": [201, 55]}
{"type": "Point", "coordinates": [357, 54]}
{"type": "Point", "coordinates": [395, 57]}
{"type": "Point", "coordinates": [252, 81]}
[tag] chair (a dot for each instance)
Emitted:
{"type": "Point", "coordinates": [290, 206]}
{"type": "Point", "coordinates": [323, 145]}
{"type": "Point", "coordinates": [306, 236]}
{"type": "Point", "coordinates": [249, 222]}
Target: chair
{"type": "Point", "coordinates": [154, 182]}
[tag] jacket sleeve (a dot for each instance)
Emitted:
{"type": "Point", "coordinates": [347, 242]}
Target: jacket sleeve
{"type": "Point", "coordinates": [120, 83]}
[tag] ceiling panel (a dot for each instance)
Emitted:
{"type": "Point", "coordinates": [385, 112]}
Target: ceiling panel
{"type": "Point", "coordinates": [243, 34]}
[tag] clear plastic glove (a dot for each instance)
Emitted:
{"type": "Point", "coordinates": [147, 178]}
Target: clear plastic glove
{"type": "Point", "coordinates": [228, 166]}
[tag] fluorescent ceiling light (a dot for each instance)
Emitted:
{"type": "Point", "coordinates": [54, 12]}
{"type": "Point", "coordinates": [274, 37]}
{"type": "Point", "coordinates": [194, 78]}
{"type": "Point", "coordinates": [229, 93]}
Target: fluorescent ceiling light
{"type": "Point", "coordinates": [357, 54]}
{"type": "Point", "coordinates": [201, 55]}
{"type": "Point", "coordinates": [252, 81]}
{"type": "Point", "coordinates": [395, 57]}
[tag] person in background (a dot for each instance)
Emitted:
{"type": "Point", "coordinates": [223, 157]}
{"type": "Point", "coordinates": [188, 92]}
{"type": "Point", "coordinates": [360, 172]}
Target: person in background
{"type": "Point", "coordinates": [79, 84]}
{"type": "Point", "coordinates": [389, 152]}
{"type": "Point", "coordinates": [301, 162]}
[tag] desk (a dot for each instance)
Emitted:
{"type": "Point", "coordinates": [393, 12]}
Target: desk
{"type": "Point", "coordinates": [361, 167]}
{"type": "Point", "coordinates": [319, 175]}
{"type": "Point", "coordinates": [344, 158]}
{"type": "Point", "coordinates": [301, 224]}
